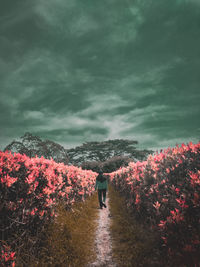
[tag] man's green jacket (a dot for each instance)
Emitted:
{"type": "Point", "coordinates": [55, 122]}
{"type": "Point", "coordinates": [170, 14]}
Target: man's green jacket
{"type": "Point", "coordinates": [103, 185]}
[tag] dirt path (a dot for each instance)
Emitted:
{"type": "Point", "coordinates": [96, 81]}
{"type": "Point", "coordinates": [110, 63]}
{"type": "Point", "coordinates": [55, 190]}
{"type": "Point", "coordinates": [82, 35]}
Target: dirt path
{"type": "Point", "coordinates": [103, 240]}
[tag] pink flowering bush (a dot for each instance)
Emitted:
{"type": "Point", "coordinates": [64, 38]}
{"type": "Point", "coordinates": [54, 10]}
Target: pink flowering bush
{"type": "Point", "coordinates": [30, 188]}
{"type": "Point", "coordinates": [7, 256]}
{"type": "Point", "coordinates": [164, 192]}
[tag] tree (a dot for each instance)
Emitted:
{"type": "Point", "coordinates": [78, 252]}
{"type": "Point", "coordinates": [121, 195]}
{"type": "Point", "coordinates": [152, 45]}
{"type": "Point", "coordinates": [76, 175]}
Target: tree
{"type": "Point", "coordinates": [102, 151]}
{"type": "Point", "coordinates": [32, 145]}
{"type": "Point", "coordinates": [107, 166]}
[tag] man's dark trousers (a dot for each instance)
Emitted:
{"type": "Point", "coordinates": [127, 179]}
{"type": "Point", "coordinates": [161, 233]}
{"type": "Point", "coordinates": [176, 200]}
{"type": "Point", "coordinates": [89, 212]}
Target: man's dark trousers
{"type": "Point", "coordinates": [101, 192]}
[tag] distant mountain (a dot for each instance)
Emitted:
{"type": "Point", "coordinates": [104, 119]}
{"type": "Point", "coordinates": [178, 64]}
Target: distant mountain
{"type": "Point", "coordinates": [88, 152]}
{"type": "Point", "coordinates": [33, 145]}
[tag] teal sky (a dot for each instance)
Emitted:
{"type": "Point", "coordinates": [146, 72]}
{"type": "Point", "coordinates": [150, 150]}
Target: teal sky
{"type": "Point", "coordinates": [91, 70]}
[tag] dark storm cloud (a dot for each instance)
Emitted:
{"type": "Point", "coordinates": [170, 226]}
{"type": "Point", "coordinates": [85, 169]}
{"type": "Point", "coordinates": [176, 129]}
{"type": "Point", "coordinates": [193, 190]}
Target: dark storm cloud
{"type": "Point", "coordinates": [74, 71]}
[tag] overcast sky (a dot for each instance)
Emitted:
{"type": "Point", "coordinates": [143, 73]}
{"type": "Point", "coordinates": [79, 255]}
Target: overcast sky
{"type": "Point", "coordinates": [91, 70]}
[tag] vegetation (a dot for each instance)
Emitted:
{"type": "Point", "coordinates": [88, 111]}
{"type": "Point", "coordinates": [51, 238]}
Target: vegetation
{"type": "Point", "coordinates": [112, 153]}
{"type": "Point", "coordinates": [133, 244]}
{"type": "Point", "coordinates": [32, 146]}
{"type": "Point", "coordinates": [102, 151]}
{"type": "Point", "coordinates": [48, 210]}
{"type": "Point", "coordinates": [164, 193]}
{"type": "Point", "coordinates": [30, 189]}
{"type": "Point", "coordinates": [69, 240]}
{"type": "Point", "coordinates": [107, 166]}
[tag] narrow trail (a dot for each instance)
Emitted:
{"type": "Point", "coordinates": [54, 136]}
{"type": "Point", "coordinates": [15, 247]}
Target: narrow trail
{"type": "Point", "coordinates": [103, 241]}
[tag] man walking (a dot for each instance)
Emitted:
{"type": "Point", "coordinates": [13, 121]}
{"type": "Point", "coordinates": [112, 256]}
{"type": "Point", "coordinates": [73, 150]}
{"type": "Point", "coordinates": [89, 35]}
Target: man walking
{"type": "Point", "coordinates": [102, 186]}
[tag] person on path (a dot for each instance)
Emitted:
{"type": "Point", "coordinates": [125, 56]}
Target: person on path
{"type": "Point", "coordinates": [102, 186]}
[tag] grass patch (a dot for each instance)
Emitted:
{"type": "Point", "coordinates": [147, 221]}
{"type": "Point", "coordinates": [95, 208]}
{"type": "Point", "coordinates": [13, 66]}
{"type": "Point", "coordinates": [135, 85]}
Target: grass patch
{"type": "Point", "coordinates": [69, 240]}
{"type": "Point", "coordinates": [133, 244]}
{"type": "Point", "coordinates": [71, 237]}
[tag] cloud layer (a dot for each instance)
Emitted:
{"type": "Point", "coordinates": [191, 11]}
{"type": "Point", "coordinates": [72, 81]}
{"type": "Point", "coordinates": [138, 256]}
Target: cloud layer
{"type": "Point", "coordinates": [76, 71]}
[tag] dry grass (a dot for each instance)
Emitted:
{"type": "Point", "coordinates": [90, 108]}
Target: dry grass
{"type": "Point", "coordinates": [70, 239]}
{"type": "Point", "coordinates": [133, 245]}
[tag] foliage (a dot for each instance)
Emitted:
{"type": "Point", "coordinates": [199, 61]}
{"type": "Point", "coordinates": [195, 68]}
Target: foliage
{"type": "Point", "coordinates": [70, 237]}
{"type": "Point", "coordinates": [133, 244]}
{"type": "Point", "coordinates": [83, 155]}
{"type": "Point", "coordinates": [107, 166]}
{"type": "Point", "coordinates": [32, 146]}
{"type": "Point", "coordinates": [102, 151]}
{"type": "Point", "coordinates": [164, 191]}
{"type": "Point", "coordinates": [115, 163]}
{"type": "Point", "coordinates": [95, 166]}
{"type": "Point", "coordinates": [29, 191]}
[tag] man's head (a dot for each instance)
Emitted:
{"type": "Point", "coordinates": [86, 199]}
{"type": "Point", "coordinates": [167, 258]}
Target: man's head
{"type": "Point", "coordinates": [100, 171]}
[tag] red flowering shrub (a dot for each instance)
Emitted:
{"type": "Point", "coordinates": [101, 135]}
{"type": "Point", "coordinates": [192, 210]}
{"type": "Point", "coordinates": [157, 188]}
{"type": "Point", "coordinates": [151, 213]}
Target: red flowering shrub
{"type": "Point", "coordinates": [7, 257]}
{"type": "Point", "coordinates": [164, 191]}
{"type": "Point", "coordinates": [29, 191]}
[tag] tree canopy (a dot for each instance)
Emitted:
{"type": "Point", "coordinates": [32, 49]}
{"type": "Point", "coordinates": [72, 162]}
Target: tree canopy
{"type": "Point", "coordinates": [102, 151]}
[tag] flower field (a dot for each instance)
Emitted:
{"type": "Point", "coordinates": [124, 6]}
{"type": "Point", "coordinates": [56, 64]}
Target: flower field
{"type": "Point", "coordinates": [164, 192]}
{"type": "Point", "coordinates": [30, 189]}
